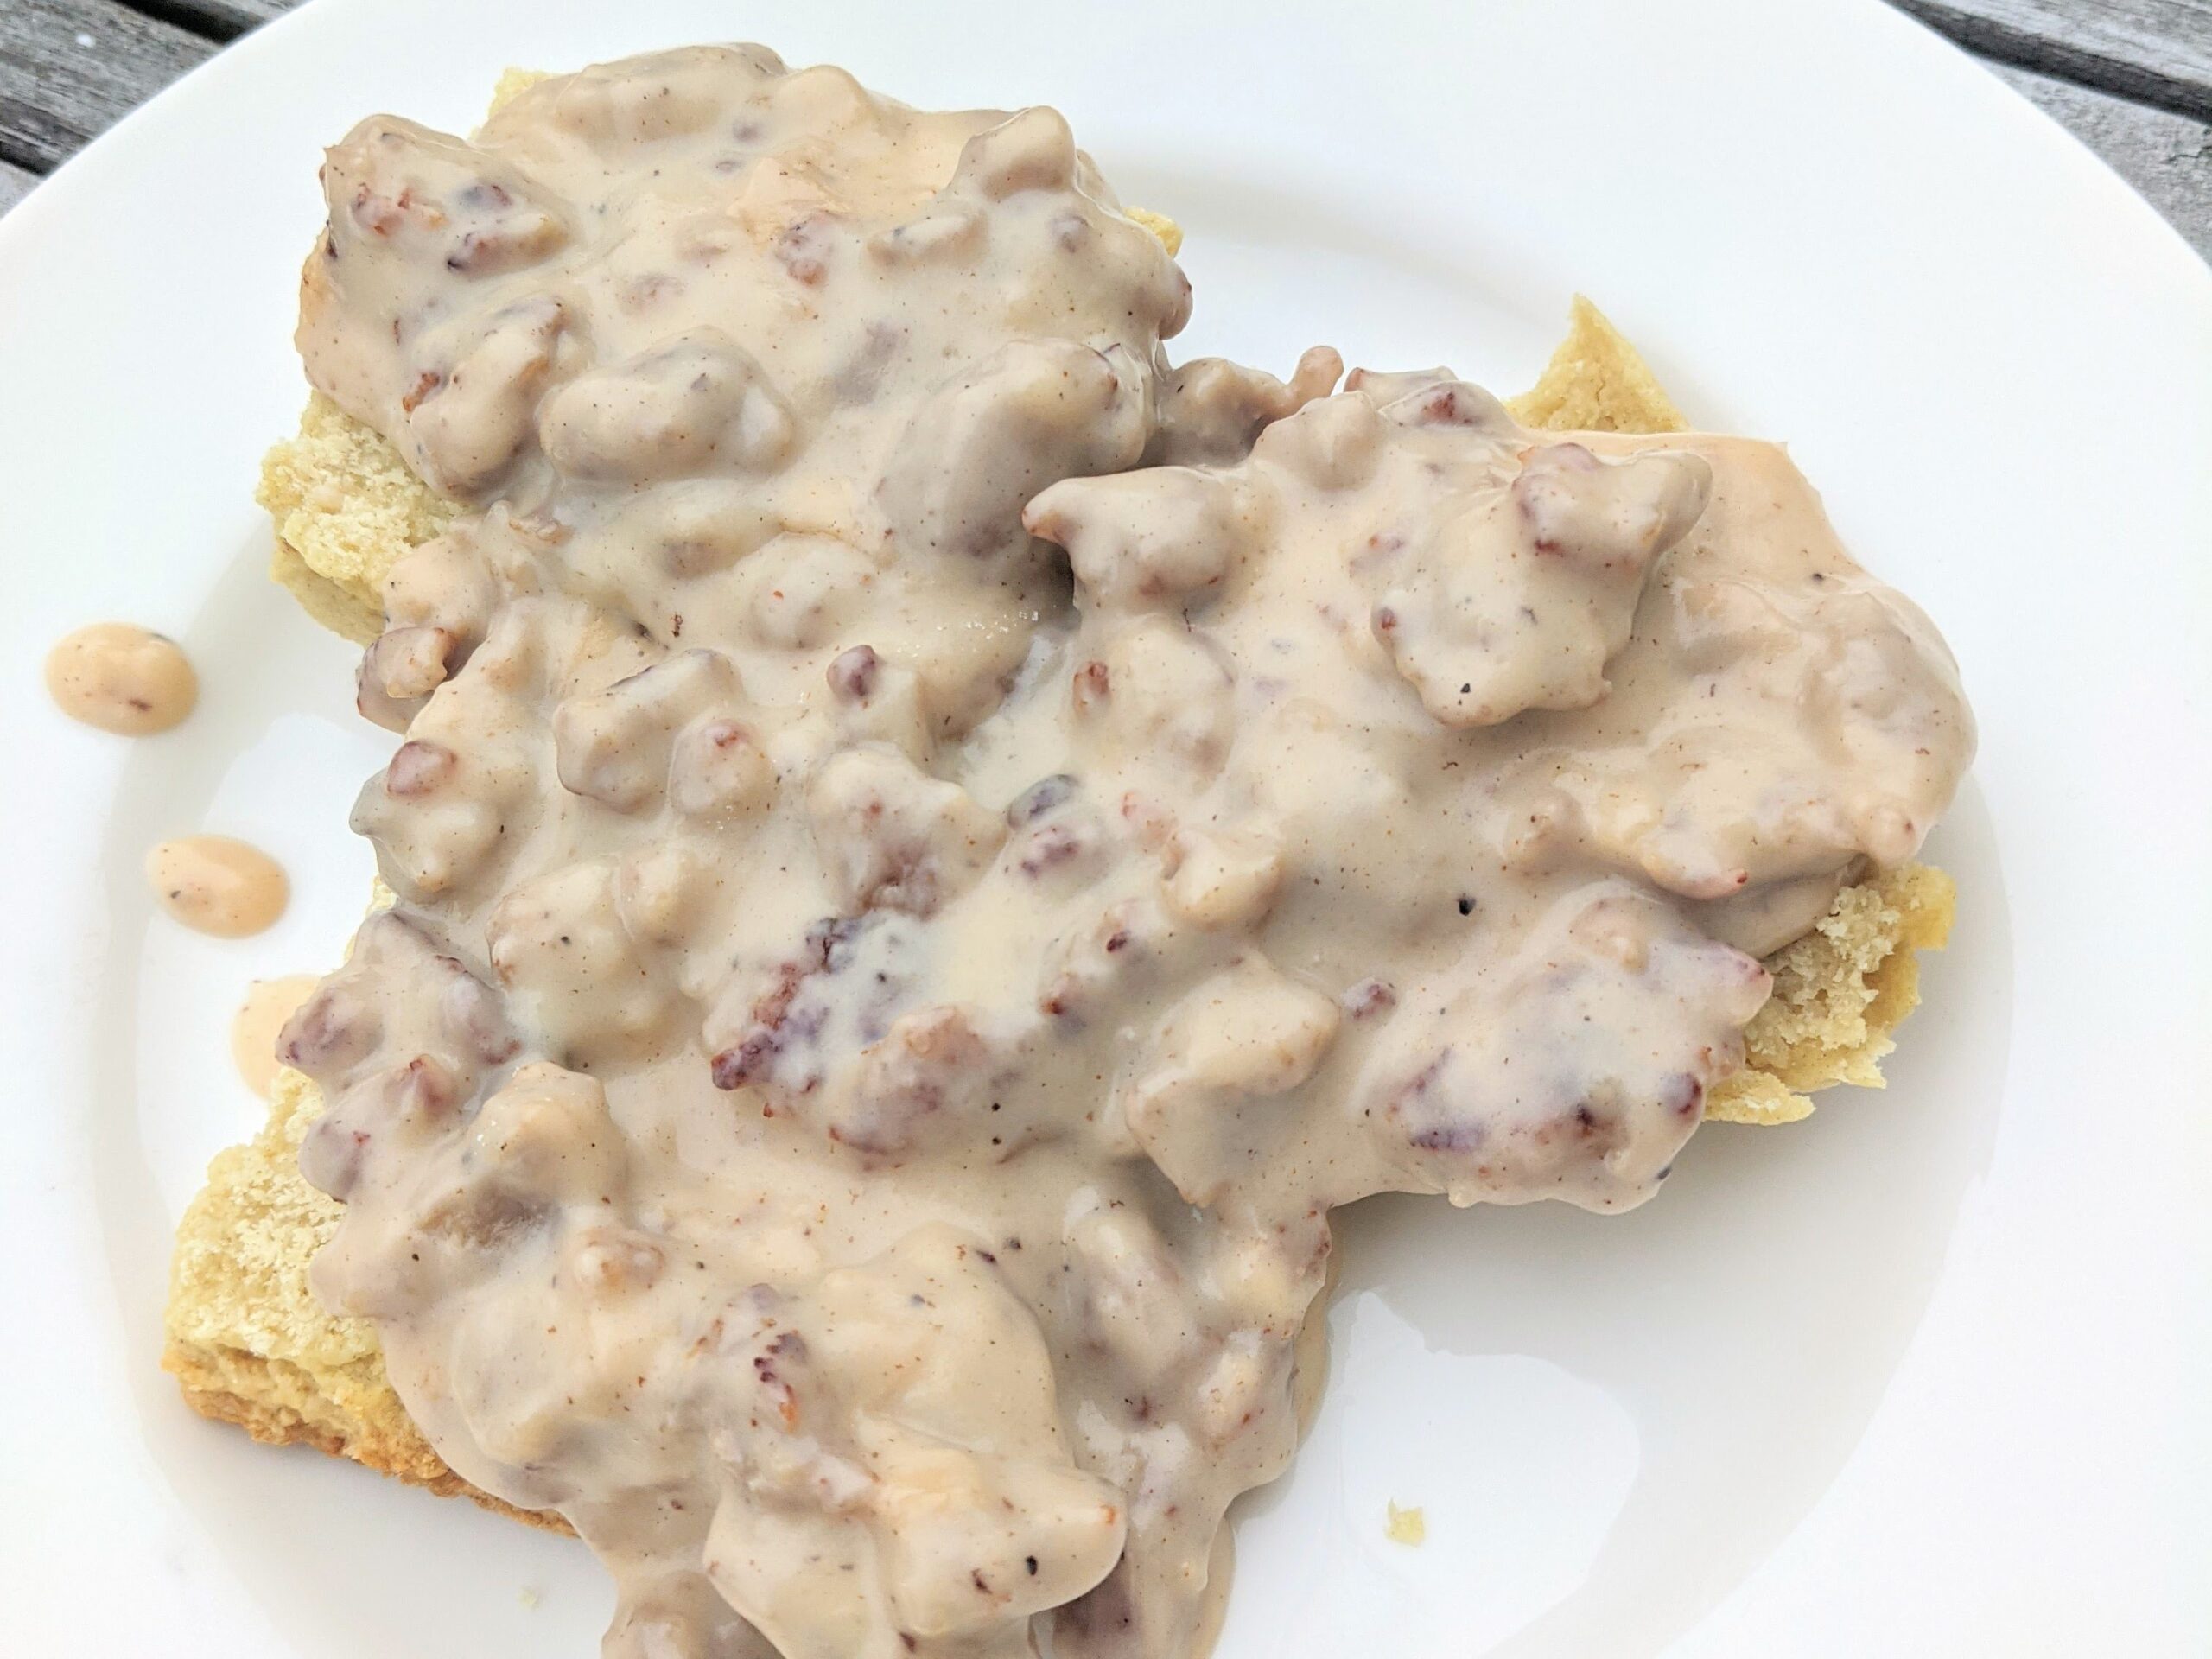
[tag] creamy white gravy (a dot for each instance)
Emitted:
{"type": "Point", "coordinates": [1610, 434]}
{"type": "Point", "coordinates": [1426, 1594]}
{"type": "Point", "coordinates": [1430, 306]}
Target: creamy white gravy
{"type": "Point", "coordinates": [122, 678]}
{"type": "Point", "coordinates": [847, 1104]}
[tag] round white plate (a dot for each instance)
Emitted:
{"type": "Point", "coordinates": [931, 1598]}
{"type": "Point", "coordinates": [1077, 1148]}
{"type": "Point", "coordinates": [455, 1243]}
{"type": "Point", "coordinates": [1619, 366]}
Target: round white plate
{"type": "Point", "coordinates": [1926, 1374]}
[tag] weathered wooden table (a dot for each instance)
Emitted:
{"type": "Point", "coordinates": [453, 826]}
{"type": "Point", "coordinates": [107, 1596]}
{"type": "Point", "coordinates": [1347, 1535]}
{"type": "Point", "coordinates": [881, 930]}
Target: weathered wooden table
{"type": "Point", "coordinates": [2133, 78]}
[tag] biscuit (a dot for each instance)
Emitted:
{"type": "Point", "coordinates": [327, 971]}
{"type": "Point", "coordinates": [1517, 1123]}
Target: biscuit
{"type": "Point", "coordinates": [247, 1338]}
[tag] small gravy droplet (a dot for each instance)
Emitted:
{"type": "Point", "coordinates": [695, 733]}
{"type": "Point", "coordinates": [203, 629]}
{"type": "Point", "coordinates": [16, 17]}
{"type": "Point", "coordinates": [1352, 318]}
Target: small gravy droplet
{"type": "Point", "coordinates": [219, 885]}
{"type": "Point", "coordinates": [122, 678]}
{"type": "Point", "coordinates": [269, 1003]}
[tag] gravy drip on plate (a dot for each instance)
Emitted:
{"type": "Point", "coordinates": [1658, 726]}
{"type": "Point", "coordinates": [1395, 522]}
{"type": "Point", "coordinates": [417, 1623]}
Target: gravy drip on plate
{"type": "Point", "coordinates": [268, 1006]}
{"type": "Point", "coordinates": [122, 678]}
{"type": "Point", "coordinates": [213, 884]}
{"type": "Point", "coordinates": [878, 1008]}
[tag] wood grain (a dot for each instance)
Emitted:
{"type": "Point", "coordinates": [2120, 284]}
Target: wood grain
{"type": "Point", "coordinates": [2157, 51]}
{"type": "Point", "coordinates": [15, 183]}
{"type": "Point", "coordinates": [2132, 78]}
{"type": "Point", "coordinates": [2166, 156]}
{"type": "Point", "coordinates": [71, 68]}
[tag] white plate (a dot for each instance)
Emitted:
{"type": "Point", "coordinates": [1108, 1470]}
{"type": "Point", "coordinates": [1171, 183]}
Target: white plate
{"type": "Point", "coordinates": [1925, 1375]}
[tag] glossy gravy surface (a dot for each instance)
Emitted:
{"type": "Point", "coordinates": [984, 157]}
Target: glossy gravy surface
{"type": "Point", "coordinates": [907, 925]}
{"type": "Point", "coordinates": [122, 678]}
{"type": "Point", "coordinates": [217, 884]}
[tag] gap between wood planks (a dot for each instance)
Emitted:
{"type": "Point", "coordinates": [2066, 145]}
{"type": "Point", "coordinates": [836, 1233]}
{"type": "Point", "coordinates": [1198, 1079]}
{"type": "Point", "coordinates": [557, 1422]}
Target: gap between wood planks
{"type": "Point", "coordinates": [221, 21]}
{"type": "Point", "coordinates": [2167, 157]}
{"type": "Point", "coordinates": [2110, 71]}
{"type": "Point", "coordinates": [2155, 52]}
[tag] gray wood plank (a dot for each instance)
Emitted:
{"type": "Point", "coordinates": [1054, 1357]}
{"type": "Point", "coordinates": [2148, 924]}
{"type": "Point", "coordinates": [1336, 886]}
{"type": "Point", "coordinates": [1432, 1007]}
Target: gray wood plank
{"type": "Point", "coordinates": [2166, 156]}
{"type": "Point", "coordinates": [2156, 52]}
{"type": "Point", "coordinates": [15, 183]}
{"type": "Point", "coordinates": [70, 68]}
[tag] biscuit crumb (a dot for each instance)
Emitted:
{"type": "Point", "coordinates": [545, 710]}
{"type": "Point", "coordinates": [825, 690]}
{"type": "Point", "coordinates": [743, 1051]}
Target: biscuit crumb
{"type": "Point", "coordinates": [1407, 1525]}
{"type": "Point", "coordinates": [1169, 233]}
{"type": "Point", "coordinates": [1597, 382]}
{"type": "Point", "coordinates": [512, 84]}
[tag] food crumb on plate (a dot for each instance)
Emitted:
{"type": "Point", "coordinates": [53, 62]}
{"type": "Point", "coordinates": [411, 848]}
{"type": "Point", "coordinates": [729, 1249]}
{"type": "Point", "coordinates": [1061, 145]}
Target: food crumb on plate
{"type": "Point", "coordinates": [1407, 1526]}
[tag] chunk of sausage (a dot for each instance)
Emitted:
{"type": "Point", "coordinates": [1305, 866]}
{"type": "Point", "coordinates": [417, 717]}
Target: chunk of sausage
{"type": "Point", "coordinates": [1212, 410]}
{"type": "Point", "coordinates": [1032, 413]}
{"type": "Point", "coordinates": [583, 986]}
{"type": "Point", "coordinates": [441, 812]}
{"type": "Point", "coordinates": [615, 746]}
{"type": "Point", "coordinates": [1156, 538]}
{"type": "Point", "coordinates": [1199, 1107]}
{"type": "Point", "coordinates": [1519, 601]}
{"type": "Point", "coordinates": [1128, 1295]}
{"type": "Point", "coordinates": [900, 1419]}
{"type": "Point", "coordinates": [699, 401]}
{"type": "Point", "coordinates": [892, 835]}
{"type": "Point", "coordinates": [1153, 689]}
{"type": "Point", "coordinates": [926, 1083]}
{"type": "Point", "coordinates": [402, 191]}
{"type": "Point", "coordinates": [1573, 1067]}
{"type": "Point", "coordinates": [473, 408]}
